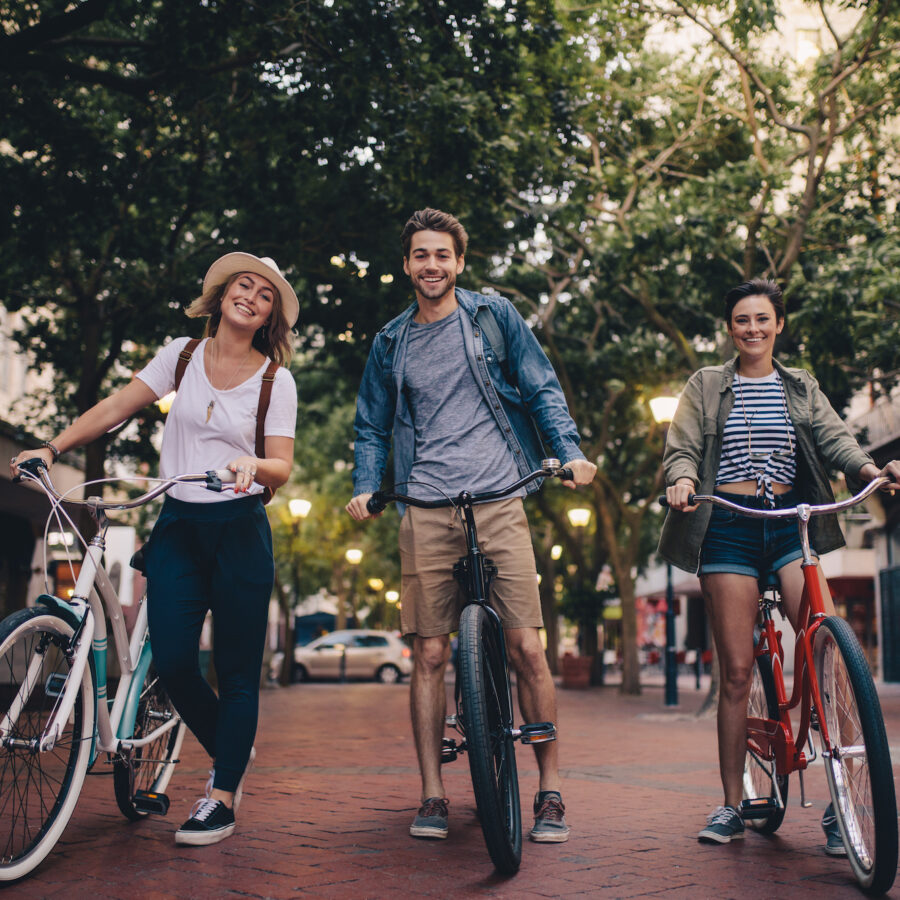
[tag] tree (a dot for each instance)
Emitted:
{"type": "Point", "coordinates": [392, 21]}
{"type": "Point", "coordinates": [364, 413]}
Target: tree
{"type": "Point", "coordinates": [689, 177]}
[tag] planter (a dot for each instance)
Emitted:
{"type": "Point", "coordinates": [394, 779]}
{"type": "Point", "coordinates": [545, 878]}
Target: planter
{"type": "Point", "coordinates": [576, 671]}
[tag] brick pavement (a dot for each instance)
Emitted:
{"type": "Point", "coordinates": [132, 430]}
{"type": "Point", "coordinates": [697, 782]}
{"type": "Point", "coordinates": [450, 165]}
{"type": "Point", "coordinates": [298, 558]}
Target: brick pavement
{"type": "Point", "coordinates": [327, 808]}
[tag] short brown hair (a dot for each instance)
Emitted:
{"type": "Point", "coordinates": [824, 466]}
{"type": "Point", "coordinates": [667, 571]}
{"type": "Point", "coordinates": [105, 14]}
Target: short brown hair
{"type": "Point", "coordinates": [429, 219]}
{"type": "Point", "coordinates": [761, 287]}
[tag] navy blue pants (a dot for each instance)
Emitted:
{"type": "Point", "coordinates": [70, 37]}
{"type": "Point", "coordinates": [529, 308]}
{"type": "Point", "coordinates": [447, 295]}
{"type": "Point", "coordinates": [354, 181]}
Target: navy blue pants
{"type": "Point", "coordinates": [201, 557]}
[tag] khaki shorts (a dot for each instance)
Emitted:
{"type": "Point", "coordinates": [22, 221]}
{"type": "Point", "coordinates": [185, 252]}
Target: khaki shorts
{"type": "Point", "coordinates": [432, 540]}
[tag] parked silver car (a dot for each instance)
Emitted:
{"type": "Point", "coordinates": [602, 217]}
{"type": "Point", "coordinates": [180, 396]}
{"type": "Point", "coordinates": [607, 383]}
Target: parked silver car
{"type": "Point", "coordinates": [354, 653]}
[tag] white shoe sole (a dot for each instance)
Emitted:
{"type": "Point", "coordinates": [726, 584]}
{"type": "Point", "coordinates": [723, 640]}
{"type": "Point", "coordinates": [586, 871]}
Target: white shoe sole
{"type": "Point", "coordinates": [549, 837]}
{"type": "Point", "coordinates": [436, 834]}
{"type": "Point", "coordinates": [710, 838]}
{"type": "Point", "coordinates": [203, 838]}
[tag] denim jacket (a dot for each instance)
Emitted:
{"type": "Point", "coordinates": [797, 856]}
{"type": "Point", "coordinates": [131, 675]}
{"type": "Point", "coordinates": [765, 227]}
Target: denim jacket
{"type": "Point", "coordinates": [531, 407]}
{"type": "Point", "coordinates": [694, 450]}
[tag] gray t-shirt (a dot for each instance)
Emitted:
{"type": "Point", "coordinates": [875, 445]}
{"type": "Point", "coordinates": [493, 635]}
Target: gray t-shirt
{"type": "Point", "coordinates": [459, 445]}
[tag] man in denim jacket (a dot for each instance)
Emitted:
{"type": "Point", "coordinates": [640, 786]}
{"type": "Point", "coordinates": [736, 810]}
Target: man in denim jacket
{"type": "Point", "coordinates": [463, 414]}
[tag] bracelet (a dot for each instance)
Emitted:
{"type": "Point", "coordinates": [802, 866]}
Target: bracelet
{"type": "Point", "coordinates": [52, 448]}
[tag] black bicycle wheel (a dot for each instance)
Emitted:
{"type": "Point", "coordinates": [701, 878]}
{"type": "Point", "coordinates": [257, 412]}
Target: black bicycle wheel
{"type": "Point", "coordinates": [148, 768]}
{"type": "Point", "coordinates": [38, 789]}
{"type": "Point", "coordinates": [487, 720]}
{"type": "Point", "coordinates": [763, 704]}
{"type": "Point", "coordinates": [858, 761]}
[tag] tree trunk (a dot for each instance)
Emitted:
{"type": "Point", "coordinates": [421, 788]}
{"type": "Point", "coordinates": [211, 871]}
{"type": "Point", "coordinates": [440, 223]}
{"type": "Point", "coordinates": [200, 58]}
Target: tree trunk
{"type": "Point", "coordinates": [711, 703]}
{"type": "Point", "coordinates": [631, 671]}
{"type": "Point", "coordinates": [551, 624]}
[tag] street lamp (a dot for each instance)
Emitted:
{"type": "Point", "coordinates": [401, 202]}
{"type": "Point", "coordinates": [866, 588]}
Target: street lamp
{"type": "Point", "coordinates": [299, 509]}
{"type": "Point", "coordinates": [663, 410]}
{"type": "Point", "coordinates": [579, 517]}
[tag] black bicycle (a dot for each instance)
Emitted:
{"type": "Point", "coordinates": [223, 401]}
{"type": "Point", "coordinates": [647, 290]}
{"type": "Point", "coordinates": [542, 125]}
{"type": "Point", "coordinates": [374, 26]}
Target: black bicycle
{"type": "Point", "coordinates": [484, 709]}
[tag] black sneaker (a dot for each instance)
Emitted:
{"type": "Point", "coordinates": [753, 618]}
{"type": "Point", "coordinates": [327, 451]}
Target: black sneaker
{"type": "Point", "coordinates": [834, 845]}
{"type": "Point", "coordinates": [211, 821]}
{"type": "Point", "coordinates": [549, 818]}
{"type": "Point", "coordinates": [431, 819]}
{"type": "Point", "coordinates": [724, 824]}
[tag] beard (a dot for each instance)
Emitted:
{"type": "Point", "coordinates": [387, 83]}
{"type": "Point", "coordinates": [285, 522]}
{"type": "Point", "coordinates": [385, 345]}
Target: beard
{"type": "Point", "coordinates": [434, 291]}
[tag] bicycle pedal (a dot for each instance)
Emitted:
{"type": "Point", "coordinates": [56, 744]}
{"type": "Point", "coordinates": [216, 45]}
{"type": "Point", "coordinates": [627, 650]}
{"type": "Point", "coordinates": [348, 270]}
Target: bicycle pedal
{"type": "Point", "coordinates": [758, 808]}
{"type": "Point", "coordinates": [150, 802]}
{"type": "Point", "coordinates": [450, 750]}
{"type": "Point", "coordinates": [537, 733]}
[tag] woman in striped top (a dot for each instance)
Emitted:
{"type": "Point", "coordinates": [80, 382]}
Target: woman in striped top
{"type": "Point", "coordinates": [760, 434]}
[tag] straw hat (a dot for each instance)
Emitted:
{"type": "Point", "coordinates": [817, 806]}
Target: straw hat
{"type": "Point", "coordinates": [233, 263]}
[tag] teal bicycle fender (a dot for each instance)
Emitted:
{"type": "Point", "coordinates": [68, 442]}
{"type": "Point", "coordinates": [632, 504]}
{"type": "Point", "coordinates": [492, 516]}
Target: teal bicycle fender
{"type": "Point", "coordinates": [129, 711]}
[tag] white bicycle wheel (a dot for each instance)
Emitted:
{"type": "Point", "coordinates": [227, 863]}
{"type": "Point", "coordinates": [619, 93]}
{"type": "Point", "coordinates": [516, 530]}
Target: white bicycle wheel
{"type": "Point", "coordinates": [38, 790]}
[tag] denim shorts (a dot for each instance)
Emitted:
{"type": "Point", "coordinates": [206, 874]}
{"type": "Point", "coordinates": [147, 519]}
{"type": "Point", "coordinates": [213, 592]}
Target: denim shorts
{"type": "Point", "coordinates": [743, 546]}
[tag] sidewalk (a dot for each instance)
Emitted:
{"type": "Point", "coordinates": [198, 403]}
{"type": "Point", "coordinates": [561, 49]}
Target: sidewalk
{"type": "Point", "coordinates": [326, 812]}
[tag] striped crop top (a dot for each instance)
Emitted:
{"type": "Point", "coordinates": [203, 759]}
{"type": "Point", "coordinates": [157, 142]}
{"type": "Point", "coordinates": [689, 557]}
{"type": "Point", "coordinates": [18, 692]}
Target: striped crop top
{"type": "Point", "coordinates": [759, 443]}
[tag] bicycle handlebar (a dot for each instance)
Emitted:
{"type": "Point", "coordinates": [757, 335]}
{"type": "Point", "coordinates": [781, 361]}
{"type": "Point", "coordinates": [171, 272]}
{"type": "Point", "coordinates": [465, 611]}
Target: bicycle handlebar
{"type": "Point", "coordinates": [788, 512]}
{"type": "Point", "coordinates": [35, 469]}
{"type": "Point", "coordinates": [550, 468]}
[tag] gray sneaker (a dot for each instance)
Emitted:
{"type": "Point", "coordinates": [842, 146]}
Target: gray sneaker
{"type": "Point", "coordinates": [549, 818]}
{"type": "Point", "coordinates": [431, 819]}
{"type": "Point", "coordinates": [834, 846]}
{"type": "Point", "coordinates": [724, 824]}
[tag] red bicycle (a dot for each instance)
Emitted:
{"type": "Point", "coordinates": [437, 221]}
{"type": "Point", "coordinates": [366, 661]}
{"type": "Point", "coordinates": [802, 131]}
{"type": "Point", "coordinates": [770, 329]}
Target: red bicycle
{"type": "Point", "coordinates": [836, 698]}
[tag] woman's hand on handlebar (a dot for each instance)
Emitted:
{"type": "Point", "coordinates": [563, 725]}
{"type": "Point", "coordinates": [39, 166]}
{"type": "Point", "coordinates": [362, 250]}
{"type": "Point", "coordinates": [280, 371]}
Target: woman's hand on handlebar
{"type": "Point", "coordinates": [43, 453]}
{"type": "Point", "coordinates": [678, 494]}
{"type": "Point", "coordinates": [357, 508]}
{"type": "Point", "coordinates": [891, 471]}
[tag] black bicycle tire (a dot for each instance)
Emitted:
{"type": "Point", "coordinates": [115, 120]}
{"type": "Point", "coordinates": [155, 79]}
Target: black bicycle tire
{"type": "Point", "coordinates": [875, 876]}
{"type": "Point", "coordinates": [763, 671]}
{"type": "Point", "coordinates": [16, 864]}
{"type": "Point", "coordinates": [124, 776]}
{"type": "Point", "coordinates": [484, 695]}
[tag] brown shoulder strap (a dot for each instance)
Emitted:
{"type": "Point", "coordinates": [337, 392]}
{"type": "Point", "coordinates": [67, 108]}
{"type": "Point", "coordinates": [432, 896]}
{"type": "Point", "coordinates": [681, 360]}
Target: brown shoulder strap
{"type": "Point", "coordinates": [265, 394]}
{"type": "Point", "coordinates": [183, 359]}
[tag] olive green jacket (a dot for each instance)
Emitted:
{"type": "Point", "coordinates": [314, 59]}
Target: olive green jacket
{"type": "Point", "coordinates": [694, 450]}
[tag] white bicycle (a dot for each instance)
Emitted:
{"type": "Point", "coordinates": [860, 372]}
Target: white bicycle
{"type": "Point", "coordinates": [55, 716]}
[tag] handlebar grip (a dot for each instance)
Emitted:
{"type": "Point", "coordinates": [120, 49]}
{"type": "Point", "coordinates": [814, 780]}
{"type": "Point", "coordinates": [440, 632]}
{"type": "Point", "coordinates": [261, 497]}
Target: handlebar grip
{"type": "Point", "coordinates": [566, 474]}
{"type": "Point", "coordinates": [665, 503]}
{"type": "Point", "coordinates": [375, 504]}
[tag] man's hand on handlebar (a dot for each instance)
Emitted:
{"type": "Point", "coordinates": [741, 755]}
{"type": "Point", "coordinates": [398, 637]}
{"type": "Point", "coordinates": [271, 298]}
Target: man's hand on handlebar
{"type": "Point", "coordinates": [678, 494]}
{"type": "Point", "coordinates": [357, 508]}
{"type": "Point", "coordinates": [583, 470]}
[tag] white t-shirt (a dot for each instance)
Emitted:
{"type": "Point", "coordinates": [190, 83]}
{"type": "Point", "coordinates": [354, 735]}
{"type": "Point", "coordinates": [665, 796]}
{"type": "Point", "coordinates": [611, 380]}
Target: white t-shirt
{"type": "Point", "coordinates": [190, 443]}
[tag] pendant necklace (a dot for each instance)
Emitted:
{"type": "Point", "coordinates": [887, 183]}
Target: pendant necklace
{"type": "Point", "coordinates": [212, 402]}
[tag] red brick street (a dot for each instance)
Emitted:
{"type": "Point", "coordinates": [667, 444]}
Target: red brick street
{"type": "Point", "coordinates": [326, 812]}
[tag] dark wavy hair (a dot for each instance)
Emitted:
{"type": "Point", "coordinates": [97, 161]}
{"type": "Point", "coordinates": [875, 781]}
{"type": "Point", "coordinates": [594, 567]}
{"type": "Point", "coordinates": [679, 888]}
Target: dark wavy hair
{"type": "Point", "coordinates": [429, 219]}
{"type": "Point", "coordinates": [756, 287]}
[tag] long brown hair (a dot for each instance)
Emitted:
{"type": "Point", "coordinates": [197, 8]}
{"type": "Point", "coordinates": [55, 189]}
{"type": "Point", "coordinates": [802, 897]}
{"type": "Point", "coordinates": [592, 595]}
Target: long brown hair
{"type": "Point", "coordinates": [272, 340]}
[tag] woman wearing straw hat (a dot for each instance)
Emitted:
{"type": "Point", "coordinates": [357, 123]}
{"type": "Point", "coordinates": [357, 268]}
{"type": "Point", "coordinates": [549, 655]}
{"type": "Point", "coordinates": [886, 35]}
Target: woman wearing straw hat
{"type": "Point", "coordinates": [212, 551]}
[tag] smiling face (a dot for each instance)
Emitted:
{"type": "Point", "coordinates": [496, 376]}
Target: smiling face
{"type": "Point", "coordinates": [753, 327]}
{"type": "Point", "coordinates": [248, 301]}
{"type": "Point", "coordinates": [432, 265]}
